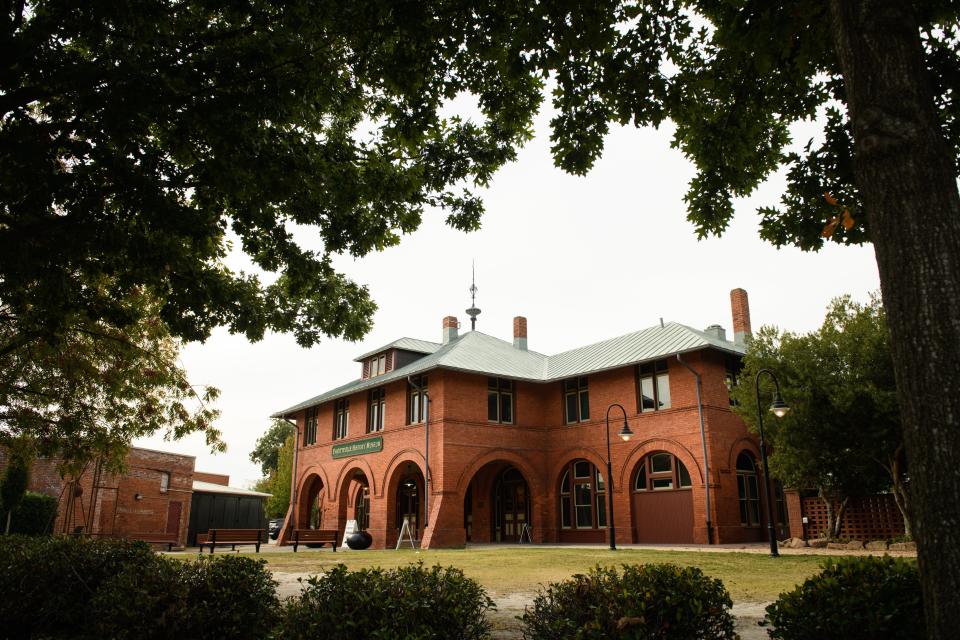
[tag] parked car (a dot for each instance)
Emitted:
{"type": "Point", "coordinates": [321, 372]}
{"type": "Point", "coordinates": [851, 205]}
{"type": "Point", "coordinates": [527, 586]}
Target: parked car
{"type": "Point", "coordinates": [274, 528]}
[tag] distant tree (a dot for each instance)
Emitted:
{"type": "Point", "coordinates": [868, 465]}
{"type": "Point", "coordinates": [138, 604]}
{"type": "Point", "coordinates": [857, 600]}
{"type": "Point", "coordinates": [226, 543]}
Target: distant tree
{"type": "Point", "coordinates": [279, 480]}
{"type": "Point", "coordinates": [267, 450]}
{"type": "Point", "coordinates": [843, 434]}
{"type": "Point", "coordinates": [89, 392]}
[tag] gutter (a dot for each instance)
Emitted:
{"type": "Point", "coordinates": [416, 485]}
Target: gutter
{"type": "Point", "coordinates": [703, 443]}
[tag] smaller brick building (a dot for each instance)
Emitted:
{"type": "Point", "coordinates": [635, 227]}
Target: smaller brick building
{"type": "Point", "coordinates": [155, 494]}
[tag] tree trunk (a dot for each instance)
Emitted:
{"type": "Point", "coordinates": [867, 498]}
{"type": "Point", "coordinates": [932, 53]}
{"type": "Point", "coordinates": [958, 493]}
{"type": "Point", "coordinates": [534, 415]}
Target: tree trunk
{"type": "Point", "coordinates": [906, 175]}
{"type": "Point", "coordinates": [838, 522]}
{"type": "Point", "coordinates": [828, 504]}
{"type": "Point", "coordinates": [900, 494]}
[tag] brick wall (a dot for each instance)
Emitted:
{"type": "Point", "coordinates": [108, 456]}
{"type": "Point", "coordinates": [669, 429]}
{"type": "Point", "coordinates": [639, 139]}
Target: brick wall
{"type": "Point", "coordinates": [214, 478]}
{"type": "Point", "coordinates": [120, 505]}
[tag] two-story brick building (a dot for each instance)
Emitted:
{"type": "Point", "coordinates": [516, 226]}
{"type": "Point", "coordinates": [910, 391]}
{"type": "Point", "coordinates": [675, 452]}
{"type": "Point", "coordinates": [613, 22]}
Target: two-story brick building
{"type": "Point", "coordinates": [519, 438]}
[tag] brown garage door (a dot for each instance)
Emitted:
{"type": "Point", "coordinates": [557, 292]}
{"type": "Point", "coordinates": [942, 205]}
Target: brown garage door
{"type": "Point", "coordinates": [663, 516]}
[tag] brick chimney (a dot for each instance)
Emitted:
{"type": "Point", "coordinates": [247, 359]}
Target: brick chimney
{"type": "Point", "coordinates": [740, 307]}
{"type": "Point", "coordinates": [520, 333]}
{"type": "Point", "coordinates": [450, 327]}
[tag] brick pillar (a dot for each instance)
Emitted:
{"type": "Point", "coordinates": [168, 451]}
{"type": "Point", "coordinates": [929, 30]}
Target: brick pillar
{"type": "Point", "coordinates": [740, 307]}
{"type": "Point", "coordinates": [520, 333]}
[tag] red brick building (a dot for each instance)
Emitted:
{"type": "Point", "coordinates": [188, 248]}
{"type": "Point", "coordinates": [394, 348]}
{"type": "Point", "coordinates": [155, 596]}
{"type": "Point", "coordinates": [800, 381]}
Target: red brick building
{"type": "Point", "coordinates": [153, 495]}
{"type": "Point", "coordinates": [518, 439]}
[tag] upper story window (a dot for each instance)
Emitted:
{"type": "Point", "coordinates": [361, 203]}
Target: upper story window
{"type": "Point", "coordinates": [500, 394]}
{"type": "Point", "coordinates": [377, 406]}
{"type": "Point", "coordinates": [377, 365]}
{"type": "Point", "coordinates": [341, 418]}
{"type": "Point", "coordinates": [310, 427]}
{"type": "Point", "coordinates": [732, 376]}
{"type": "Point", "coordinates": [576, 400]}
{"type": "Point", "coordinates": [660, 471]}
{"type": "Point", "coordinates": [654, 386]}
{"type": "Point", "coordinates": [164, 481]}
{"type": "Point", "coordinates": [417, 400]}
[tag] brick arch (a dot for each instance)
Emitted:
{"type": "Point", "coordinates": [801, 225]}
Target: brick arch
{"type": "Point", "coordinates": [405, 456]}
{"type": "Point", "coordinates": [346, 472]}
{"type": "Point", "coordinates": [743, 444]}
{"type": "Point", "coordinates": [579, 453]}
{"type": "Point", "coordinates": [659, 444]}
{"type": "Point", "coordinates": [533, 479]}
{"type": "Point", "coordinates": [316, 470]}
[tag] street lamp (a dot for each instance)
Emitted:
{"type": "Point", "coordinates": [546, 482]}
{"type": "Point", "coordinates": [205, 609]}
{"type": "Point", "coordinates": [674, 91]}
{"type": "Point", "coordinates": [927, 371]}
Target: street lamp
{"type": "Point", "coordinates": [779, 409]}
{"type": "Point", "coordinates": [625, 433]}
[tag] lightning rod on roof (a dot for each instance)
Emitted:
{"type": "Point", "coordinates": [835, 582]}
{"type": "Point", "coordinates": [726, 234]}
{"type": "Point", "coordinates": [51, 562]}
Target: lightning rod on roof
{"type": "Point", "coordinates": [661, 323]}
{"type": "Point", "coordinates": [473, 312]}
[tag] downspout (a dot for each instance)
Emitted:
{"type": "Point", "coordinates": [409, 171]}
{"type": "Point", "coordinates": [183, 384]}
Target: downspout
{"type": "Point", "coordinates": [703, 442]}
{"type": "Point", "coordinates": [426, 451]}
{"type": "Point", "coordinates": [293, 475]}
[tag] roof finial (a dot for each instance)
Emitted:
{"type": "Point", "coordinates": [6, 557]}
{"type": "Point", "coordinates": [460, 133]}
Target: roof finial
{"type": "Point", "coordinates": [473, 312]}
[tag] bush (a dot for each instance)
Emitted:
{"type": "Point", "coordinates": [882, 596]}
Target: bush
{"type": "Point", "coordinates": [660, 601]}
{"type": "Point", "coordinates": [410, 602]}
{"type": "Point", "coordinates": [34, 515]}
{"type": "Point", "coordinates": [852, 599]}
{"type": "Point", "coordinates": [54, 579]}
{"type": "Point", "coordinates": [225, 597]}
{"type": "Point", "coordinates": [78, 588]}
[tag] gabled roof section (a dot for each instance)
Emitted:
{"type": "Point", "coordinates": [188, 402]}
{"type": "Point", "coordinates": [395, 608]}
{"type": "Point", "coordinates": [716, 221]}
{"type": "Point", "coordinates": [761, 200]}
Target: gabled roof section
{"type": "Point", "coordinates": [406, 344]}
{"type": "Point", "coordinates": [640, 346]}
{"type": "Point", "coordinates": [477, 352]}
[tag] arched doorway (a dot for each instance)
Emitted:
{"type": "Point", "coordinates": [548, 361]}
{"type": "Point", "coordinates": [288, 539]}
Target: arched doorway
{"type": "Point", "coordinates": [662, 500]}
{"type": "Point", "coordinates": [361, 508]}
{"type": "Point", "coordinates": [310, 503]}
{"type": "Point", "coordinates": [409, 505]}
{"type": "Point", "coordinates": [511, 505]}
{"type": "Point", "coordinates": [583, 503]}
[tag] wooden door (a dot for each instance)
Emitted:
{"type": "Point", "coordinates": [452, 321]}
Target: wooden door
{"type": "Point", "coordinates": [174, 510]}
{"type": "Point", "coordinates": [664, 517]}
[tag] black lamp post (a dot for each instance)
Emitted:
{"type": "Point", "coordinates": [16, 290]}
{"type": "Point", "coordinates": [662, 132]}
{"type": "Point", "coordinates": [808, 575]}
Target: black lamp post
{"type": "Point", "coordinates": [779, 409]}
{"type": "Point", "coordinates": [625, 433]}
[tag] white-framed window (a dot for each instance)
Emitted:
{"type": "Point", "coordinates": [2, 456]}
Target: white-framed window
{"type": "Point", "coordinates": [500, 394]}
{"type": "Point", "coordinates": [164, 481]}
{"type": "Point", "coordinates": [576, 400]}
{"type": "Point", "coordinates": [341, 418]}
{"type": "Point", "coordinates": [654, 386]}
{"type": "Point", "coordinates": [377, 408]}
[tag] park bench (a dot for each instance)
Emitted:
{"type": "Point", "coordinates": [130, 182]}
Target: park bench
{"type": "Point", "coordinates": [314, 536]}
{"type": "Point", "coordinates": [233, 537]}
{"type": "Point", "coordinates": [169, 539]}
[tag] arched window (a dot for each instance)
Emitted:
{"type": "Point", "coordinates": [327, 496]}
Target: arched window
{"type": "Point", "coordinates": [748, 490]}
{"type": "Point", "coordinates": [362, 508]}
{"type": "Point", "coordinates": [582, 495]}
{"type": "Point", "coordinates": [661, 471]}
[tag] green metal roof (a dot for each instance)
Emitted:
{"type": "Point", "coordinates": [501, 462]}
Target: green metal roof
{"type": "Point", "coordinates": [477, 352]}
{"type": "Point", "coordinates": [406, 344]}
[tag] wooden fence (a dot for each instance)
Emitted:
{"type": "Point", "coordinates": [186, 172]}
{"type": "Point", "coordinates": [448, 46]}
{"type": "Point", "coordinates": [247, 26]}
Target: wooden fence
{"type": "Point", "coordinates": [868, 518]}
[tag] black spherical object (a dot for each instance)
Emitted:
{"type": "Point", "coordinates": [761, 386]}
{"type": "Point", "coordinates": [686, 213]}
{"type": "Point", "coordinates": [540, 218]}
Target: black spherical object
{"type": "Point", "coordinates": [359, 540]}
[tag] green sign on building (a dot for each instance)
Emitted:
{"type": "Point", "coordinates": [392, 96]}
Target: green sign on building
{"type": "Point", "coordinates": [358, 447]}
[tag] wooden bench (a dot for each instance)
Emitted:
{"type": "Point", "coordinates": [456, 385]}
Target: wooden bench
{"type": "Point", "coordinates": [169, 539]}
{"type": "Point", "coordinates": [233, 537]}
{"type": "Point", "coordinates": [312, 536]}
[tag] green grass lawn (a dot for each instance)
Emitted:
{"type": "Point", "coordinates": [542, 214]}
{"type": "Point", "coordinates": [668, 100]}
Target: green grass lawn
{"type": "Point", "coordinates": [749, 577]}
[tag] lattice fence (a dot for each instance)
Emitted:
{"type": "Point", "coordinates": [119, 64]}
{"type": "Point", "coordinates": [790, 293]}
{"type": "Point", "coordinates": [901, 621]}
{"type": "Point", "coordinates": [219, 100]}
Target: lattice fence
{"type": "Point", "coordinates": [869, 518]}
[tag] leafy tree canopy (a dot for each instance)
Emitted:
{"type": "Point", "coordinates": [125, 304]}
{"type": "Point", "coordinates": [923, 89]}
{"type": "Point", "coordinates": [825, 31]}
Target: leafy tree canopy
{"type": "Point", "coordinates": [92, 389]}
{"type": "Point", "coordinates": [135, 140]}
{"type": "Point", "coordinates": [267, 450]}
{"type": "Point", "coordinates": [843, 434]}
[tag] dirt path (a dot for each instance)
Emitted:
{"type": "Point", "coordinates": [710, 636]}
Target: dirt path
{"type": "Point", "coordinates": [506, 626]}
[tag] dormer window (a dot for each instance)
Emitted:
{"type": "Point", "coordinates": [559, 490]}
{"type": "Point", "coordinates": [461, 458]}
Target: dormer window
{"type": "Point", "coordinates": [377, 365]}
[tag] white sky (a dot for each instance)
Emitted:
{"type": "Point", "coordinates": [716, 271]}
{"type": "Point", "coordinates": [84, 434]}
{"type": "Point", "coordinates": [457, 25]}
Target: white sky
{"type": "Point", "coordinates": [582, 258]}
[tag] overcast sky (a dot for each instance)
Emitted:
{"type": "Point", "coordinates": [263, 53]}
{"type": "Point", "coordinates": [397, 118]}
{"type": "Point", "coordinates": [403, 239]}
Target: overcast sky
{"type": "Point", "coordinates": [583, 258]}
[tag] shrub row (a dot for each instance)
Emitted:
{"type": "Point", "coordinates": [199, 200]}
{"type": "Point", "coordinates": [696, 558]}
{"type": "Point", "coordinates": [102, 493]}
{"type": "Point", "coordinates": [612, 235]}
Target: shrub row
{"type": "Point", "coordinates": [59, 587]}
{"type": "Point", "coordinates": [75, 588]}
